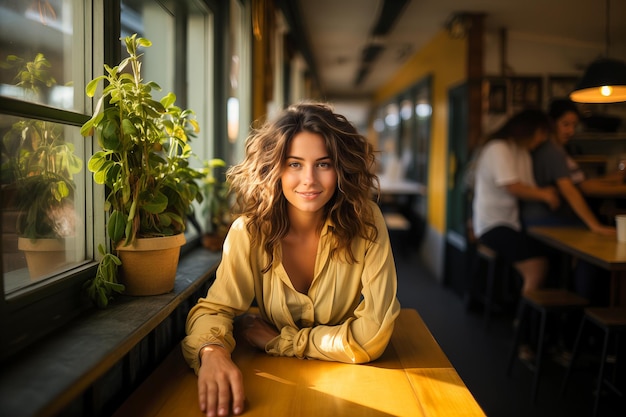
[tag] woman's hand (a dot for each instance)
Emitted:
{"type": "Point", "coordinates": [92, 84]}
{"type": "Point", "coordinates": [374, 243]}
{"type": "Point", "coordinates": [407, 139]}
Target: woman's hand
{"type": "Point", "coordinates": [604, 230]}
{"type": "Point", "coordinates": [257, 331]}
{"type": "Point", "coordinates": [220, 383]}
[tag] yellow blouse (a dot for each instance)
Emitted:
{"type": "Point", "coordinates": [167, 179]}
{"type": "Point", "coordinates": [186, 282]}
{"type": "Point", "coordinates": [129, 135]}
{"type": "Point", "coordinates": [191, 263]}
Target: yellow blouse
{"type": "Point", "coordinates": [347, 315]}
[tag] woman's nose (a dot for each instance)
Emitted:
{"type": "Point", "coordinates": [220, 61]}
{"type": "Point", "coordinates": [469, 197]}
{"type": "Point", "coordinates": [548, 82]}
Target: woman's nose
{"type": "Point", "coordinates": [308, 175]}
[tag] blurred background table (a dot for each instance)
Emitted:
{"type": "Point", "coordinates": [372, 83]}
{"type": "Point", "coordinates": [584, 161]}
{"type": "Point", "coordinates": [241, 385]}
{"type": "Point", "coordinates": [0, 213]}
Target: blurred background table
{"type": "Point", "coordinates": [603, 251]}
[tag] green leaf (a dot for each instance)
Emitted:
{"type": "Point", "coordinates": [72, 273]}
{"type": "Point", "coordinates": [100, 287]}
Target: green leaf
{"type": "Point", "coordinates": [165, 219]}
{"type": "Point", "coordinates": [129, 232]}
{"type": "Point", "coordinates": [62, 190]}
{"type": "Point", "coordinates": [116, 226]}
{"type": "Point", "coordinates": [102, 301]}
{"type": "Point", "coordinates": [128, 127]}
{"type": "Point", "coordinates": [168, 100]}
{"type": "Point", "coordinates": [87, 128]}
{"type": "Point", "coordinates": [112, 172]}
{"type": "Point", "coordinates": [156, 204]}
{"type": "Point", "coordinates": [110, 135]}
{"type": "Point", "coordinates": [92, 85]}
{"type": "Point", "coordinates": [96, 161]}
{"type": "Point", "coordinates": [131, 212]}
{"type": "Point", "coordinates": [145, 43]}
{"type": "Point", "coordinates": [101, 288]}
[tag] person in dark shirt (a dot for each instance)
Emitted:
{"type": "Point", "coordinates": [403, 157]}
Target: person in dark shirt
{"type": "Point", "coordinates": [552, 166]}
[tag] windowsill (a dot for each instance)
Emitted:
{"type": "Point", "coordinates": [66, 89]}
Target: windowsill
{"type": "Point", "coordinates": [51, 374]}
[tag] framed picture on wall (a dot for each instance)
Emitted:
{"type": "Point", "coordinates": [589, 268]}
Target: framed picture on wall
{"type": "Point", "coordinates": [497, 98]}
{"type": "Point", "coordinates": [526, 91]}
{"type": "Point", "coordinates": [561, 86]}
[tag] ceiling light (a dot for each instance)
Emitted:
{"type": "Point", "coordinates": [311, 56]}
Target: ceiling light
{"type": "Point", "coordinates": [604, 81]}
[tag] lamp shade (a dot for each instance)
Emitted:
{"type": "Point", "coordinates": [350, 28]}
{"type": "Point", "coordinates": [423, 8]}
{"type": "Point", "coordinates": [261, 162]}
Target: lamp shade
{"type": "Point", "coordinates": [603, 82]}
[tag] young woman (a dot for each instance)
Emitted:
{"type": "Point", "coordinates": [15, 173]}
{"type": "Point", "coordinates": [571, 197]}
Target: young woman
{"type": "Point", "coordinates": [310, 247]}
{"type": "Point", "coordinates": [503, 177]}
{"type": "Point", "coordinates": [552, 166]}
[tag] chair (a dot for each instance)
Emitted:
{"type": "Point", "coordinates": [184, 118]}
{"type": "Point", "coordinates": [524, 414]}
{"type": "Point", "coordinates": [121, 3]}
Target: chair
{"type": "Point", "coordinates": [495, 267]}
{"type": "Point", "coordinates": [545, 302]}
{"type": "Point", "coordinates": [498, 272]}
{"type": "Point", "coordinates": [612, 321]}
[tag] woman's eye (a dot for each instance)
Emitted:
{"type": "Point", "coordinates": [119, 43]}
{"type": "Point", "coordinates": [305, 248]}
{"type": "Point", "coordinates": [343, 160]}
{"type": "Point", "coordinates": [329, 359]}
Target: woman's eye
{"type": "Point", "coordinates": [294, 164]}
{"type": "Point", "coordinates": [324, 165]}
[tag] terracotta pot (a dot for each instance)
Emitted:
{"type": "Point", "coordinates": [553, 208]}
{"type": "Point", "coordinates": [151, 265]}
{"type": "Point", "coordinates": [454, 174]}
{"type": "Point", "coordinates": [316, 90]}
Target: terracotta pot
{"type": "Point", "coordinates": [149, 265]}
{"type": "Point", "coordinates": [44, 256]}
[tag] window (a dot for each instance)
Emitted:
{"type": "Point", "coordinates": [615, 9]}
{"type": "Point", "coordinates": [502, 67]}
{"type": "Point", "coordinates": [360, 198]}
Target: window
{"type": "Point", "coordinates": [48, 50]}
{"type": "Point", "coordinates": [238, 115]}
{"type": "Point", "coordinates": [403, 129]}
{"type": "Point", "coordinates": [44, 190]}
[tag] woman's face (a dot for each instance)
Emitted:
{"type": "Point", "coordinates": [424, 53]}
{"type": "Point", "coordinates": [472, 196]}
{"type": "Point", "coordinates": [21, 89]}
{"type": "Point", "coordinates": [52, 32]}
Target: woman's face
{"type": "Point", "coordinates": [309, 178]}
{"type": "Point", "coordinates": [565, 127]}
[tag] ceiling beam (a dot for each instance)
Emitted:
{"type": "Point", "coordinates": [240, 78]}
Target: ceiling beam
{"type": "Point", "coordinates": [293, 15]}
{"type": "Point", "coordinates": [388, 16]}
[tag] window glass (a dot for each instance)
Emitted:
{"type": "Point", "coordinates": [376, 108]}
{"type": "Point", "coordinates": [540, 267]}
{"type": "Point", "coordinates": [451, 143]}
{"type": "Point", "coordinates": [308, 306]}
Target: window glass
{"type": "Point", "coordinates": [187, 73]}
{"type": "Point", "coordinates": [200, 94]}
{"type": "Point", "coordinates": [43, 200]}
{"type": "Point", "coordinates": [423, 114]}
{"type": "Point", "coordinates": [389, 140]}
{"type": "Point", "coordinates": [42, 185]}
{"type": "Point", "coordinates": [43, 66]}
{"type": "Point", "coordinates": [407, 151]}
{"type": "Point", "coordinates": [49, 49]}
{"type": "Point", "coordinates": [150, 19]}
{"type": "Point", "coordinates": [239, 116]}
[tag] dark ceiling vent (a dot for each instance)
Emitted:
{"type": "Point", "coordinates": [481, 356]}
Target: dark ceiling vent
{"type": "Point", "coordinates": [391, 10]}
{"type": "Point", "coordinates": [371, 52]}
{"type": "Point", "coordinates": [388, 15]}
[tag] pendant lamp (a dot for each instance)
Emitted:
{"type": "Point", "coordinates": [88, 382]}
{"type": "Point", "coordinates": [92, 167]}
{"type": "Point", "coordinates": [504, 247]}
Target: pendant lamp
{"type": "Point", "coordinates": [604, 81]}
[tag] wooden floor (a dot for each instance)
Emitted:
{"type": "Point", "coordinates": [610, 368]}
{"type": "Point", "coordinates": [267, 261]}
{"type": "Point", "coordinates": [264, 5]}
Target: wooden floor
{"type": "Point", "coordinates": [480, 357]}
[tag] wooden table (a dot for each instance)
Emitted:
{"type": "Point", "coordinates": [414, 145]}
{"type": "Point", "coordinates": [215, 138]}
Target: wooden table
{"type": "Point", "coordinates": [603, 251]}
{"type": "Point", "coordinates": [413, 378]}
{"type": "Point", "coordinates": [401, 187]}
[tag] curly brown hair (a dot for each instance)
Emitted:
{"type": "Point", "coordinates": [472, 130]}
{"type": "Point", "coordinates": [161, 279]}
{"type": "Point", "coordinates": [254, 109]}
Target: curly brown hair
{"type": "Point", "coordinates": [257, 187]}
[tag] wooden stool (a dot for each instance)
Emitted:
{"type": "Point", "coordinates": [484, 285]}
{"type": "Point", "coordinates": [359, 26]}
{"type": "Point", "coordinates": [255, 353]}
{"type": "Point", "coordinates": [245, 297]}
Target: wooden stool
{"type": "Point", "coordinates": [545, 302]}
{"type": "Point", "coordinates": [612, 321]}
{"type": "Point", "coordinates": [498, 270]}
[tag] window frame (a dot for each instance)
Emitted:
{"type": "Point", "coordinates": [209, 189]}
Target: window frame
{"type": "Point", "coordinates": [28, 315]}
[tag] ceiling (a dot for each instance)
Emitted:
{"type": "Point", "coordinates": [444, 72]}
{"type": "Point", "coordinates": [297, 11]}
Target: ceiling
{"type": "Point", "coordinates": [338, 32]}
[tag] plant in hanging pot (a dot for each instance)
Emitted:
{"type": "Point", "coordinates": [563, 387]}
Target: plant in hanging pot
{"type": "Point", "coordinates": [39, 167]}
{"type": "Point", "coordinates": [216, 204]}
{"type": "Point", "coordinates": [144, 164]}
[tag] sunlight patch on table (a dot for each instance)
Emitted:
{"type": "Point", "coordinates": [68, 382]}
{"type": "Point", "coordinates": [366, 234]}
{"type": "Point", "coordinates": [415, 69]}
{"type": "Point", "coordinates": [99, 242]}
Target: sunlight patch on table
{"type": "Point", "coordinates": [384, 390]}
{"type": "Point", "coordinates": [441, 391]}
{"type": "Point", "coordinates": [274, 378]}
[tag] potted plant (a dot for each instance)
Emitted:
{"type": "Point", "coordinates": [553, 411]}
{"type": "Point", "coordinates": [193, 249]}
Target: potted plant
{"type": "Point", "coordinates": [144, 164]}
{"type": "Point", "coordinates": [216, 204]}
{"type": "Point", "coordinates": [40, 166]}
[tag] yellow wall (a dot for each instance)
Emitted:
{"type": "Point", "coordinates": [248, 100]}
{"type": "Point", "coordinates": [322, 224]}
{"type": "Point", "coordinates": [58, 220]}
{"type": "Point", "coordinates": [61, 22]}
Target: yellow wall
{"type": "Point", "coordinates": [445, 59]}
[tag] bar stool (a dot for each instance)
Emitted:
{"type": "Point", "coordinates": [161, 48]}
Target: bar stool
{"type": "Point", "coordinates": [612, 321]}
{"type": "Point", "coordinates": [496, 268]}
{"type": "Point", "coordinates": [494, 265]}
{"type": "Point", "coordinates": [545, 302]}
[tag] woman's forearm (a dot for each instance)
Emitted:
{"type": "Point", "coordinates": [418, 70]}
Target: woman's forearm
{"type": "Point", "coordinates": [577, 202]}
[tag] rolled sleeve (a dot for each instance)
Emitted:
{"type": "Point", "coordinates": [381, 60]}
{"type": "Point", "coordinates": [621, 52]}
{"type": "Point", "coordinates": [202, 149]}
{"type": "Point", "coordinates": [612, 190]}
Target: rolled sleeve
{"type": "Point", "coordinates": [230, 295]}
